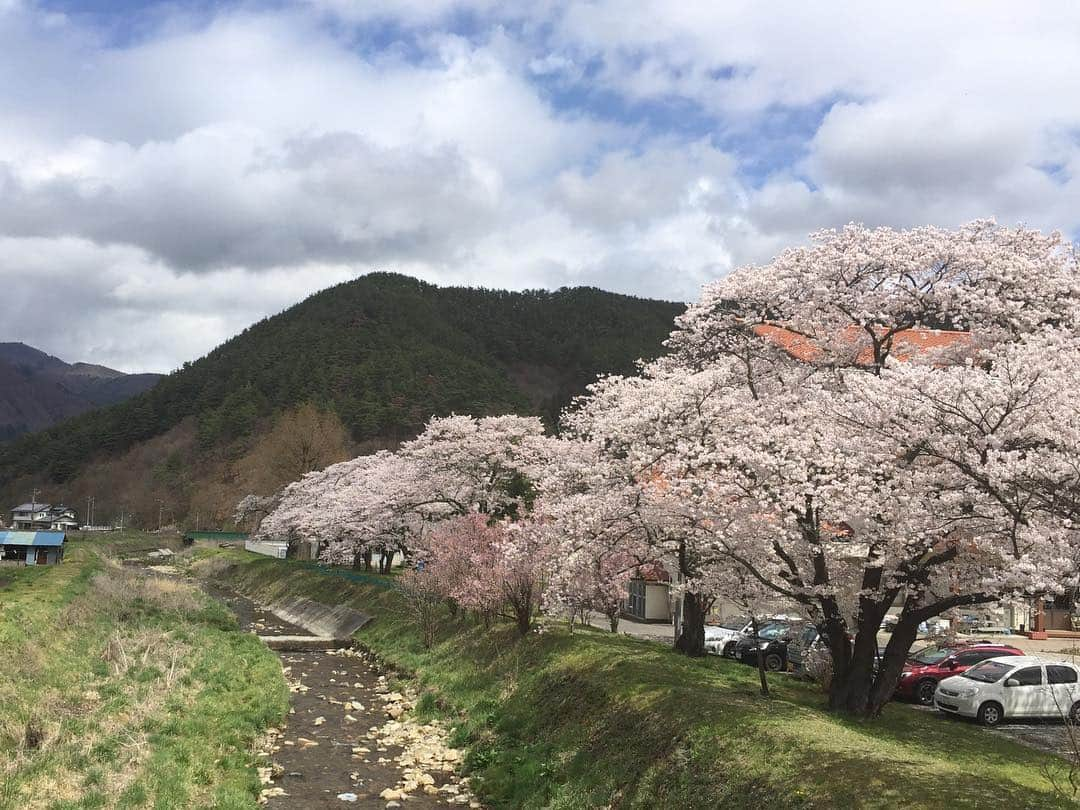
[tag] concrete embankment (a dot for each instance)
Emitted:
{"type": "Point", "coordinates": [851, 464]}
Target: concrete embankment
{"type": "Point", "coordinates": [325, 622]}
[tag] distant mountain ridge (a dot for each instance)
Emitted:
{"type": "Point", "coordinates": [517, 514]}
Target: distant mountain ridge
{"type": "Point", "coordinates": [379, 355]}
{"type": "Point", "coordinates": [38, 390]}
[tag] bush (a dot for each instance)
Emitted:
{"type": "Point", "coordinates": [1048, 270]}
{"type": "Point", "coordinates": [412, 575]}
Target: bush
{"type": "Point", "coordinates": [818, 665]}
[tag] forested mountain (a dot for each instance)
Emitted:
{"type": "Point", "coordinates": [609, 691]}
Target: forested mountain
{"type": "Point", "coordinates": [38, 390]}
{"type": "Point", "coordinates": [382, 354]}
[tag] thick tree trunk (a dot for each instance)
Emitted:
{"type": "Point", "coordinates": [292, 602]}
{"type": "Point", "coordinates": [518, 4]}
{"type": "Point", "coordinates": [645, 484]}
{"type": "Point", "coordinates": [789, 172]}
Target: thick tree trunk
{"type": "Point", "coordinates": [892, 664]}
{"type": "Point", "coordinates": [853, 663]}
{"type": "Point", "coordinates": [691, 640]}
{"type": "Point", "coordinates": [523, 616]}
{"type": "Point", "coordinates": [524, 622]}
{"type": "Point", "coordinates": [860, 688]}
{"type": "Point", "coordinates": [386, 561]}
{"type": "Point", "coordinates": [520, 599]}
{"type": "Point", "coordinates": [367, 560]}
{"type": "Point", "coordinates": [613, 620]}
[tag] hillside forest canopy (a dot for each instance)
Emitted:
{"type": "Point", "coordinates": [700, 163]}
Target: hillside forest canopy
{"type": "Point", "coordinates": [377, 357]}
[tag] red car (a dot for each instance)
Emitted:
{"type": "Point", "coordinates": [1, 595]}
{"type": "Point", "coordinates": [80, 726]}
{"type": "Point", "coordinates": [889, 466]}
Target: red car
{"type": "Point", "coordinates": [924, 669]}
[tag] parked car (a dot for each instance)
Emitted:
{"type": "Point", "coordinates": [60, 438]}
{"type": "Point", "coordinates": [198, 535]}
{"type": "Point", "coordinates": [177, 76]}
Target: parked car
{"type": "Point", "coordinates": [721, 639]}
{"type": "Point", "coordinates": [771, 642]}
{"type": "Point", "coordinates": [930, 665]}
{"type": "Point", "coordinates": [1013, 687]}
{"type": "Point", "coordinates": [931, 627]}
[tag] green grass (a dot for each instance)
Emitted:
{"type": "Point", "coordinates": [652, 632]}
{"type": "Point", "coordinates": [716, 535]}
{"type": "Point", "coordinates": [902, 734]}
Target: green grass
{"type": "Point", "coordinates": [591, 719]}
{"type": "Point", "coordinates": [123, 543]}
{"type": "Point", "coordinates": [122, 691]}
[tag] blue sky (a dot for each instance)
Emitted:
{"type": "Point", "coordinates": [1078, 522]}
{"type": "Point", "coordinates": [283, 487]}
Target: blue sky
{"type": "Point", "coordinates": [183, 169]}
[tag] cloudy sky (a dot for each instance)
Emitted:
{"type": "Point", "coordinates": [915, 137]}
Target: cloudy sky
{"type": "Point", "coordinates": [170, 173]}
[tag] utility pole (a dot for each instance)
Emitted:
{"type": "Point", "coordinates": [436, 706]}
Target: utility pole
{"type": "Point", "coordinates": [33, 507]}
{"type": "Point", "coordinates": [160, 513]}
{"type": "Point", "coordinates": [90, 510]}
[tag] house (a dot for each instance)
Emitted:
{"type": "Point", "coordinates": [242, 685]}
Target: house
{"type": "Point", "coordinates": [31, 548]}
{"type": "Point", "coordinates": [44, 517]}
{"type": "Point", "coordinates": [649, 598]}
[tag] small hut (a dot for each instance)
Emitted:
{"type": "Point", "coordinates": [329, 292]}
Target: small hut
{"type": "Point", "coordinates": [32, 548]}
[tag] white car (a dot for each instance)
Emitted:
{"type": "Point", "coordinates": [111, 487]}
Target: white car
{"type": "Point", "coordinates": [721, 639]}
{"type": "Point", "coordinates": [1013, 687]}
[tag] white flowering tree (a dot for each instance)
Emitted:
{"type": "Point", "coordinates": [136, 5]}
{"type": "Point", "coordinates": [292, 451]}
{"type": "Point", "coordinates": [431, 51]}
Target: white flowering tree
{"type": "Point", "coordinates": [466, 464]}
{"type": "Point", "coordinates": [641, 424]}
{"type": "Point", "coordinates": [590, 517]}
{"type": "Point", "coordinates": [381, 503]}
{"type": "Point", "coordinates": [811, 427]}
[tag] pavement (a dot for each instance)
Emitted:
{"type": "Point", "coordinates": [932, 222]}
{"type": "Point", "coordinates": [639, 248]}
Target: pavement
{"type": "Point", "coordinates": [1047, 648]}
{"type": "Point", "coordinates": [652, 632]}
{"type": "Point", "coordinates": [1050, 647]}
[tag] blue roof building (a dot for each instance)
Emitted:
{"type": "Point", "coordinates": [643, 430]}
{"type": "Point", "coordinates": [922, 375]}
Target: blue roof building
{"type": "Point", "coordinates": [31, 548]}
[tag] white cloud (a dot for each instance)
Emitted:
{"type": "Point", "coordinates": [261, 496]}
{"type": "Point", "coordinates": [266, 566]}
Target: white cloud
{"type": "Point", "coordinates": [211, 168]}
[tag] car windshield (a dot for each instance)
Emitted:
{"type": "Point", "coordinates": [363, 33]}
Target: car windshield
{"type": "Point", "coordinates": [931, 655]}
{"type": "Point", "coordinates": [988, 671]}
{"type": "Point", "coordinates": [773, 630]}
{"type": "Point", "coordinates": [738, 623]}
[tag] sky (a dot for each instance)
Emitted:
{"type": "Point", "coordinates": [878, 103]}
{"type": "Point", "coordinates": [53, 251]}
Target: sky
{"type": "Point", "coordinates": [172, 172]}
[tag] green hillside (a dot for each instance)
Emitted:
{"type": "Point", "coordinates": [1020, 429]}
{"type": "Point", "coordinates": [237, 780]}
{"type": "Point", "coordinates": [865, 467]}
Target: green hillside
{"type": "Point", "coordinates": [384, 352]}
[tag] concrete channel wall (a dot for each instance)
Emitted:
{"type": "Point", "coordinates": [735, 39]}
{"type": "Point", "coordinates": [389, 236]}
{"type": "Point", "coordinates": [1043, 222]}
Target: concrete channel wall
{"type": "Point", "coordinates": [325, 621]}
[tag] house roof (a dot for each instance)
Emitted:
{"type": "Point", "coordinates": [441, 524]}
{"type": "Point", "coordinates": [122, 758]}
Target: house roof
{"type": "Point", "coordinates": [905, 343]}
{"type": "Point", "coordinates": [653, 572]}
{"type": "Point", "coordinates": [32, 538]}
{"type": "Point", "coordinates": [32, 507]}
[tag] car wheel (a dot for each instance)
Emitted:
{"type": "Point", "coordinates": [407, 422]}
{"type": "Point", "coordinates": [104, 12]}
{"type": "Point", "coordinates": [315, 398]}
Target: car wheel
{"type": "Point", "coordinates": [924, 692]}
{"type": "Point", "coordinates": [774, 662]}
{"type": "Point", "coordinates": [991, 714]}
{"type": "Point", "coordinates": [1074, 714]}
{"type": "Point", "coordinates": [729, 650]}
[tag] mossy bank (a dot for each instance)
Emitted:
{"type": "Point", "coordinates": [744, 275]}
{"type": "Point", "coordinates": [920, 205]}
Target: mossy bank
{"type": "Point", "coordinates": [123, 690]}
{"type": "Point", "coordinates": [590, 719]}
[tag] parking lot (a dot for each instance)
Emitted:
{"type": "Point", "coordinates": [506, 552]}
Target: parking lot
{"type": "Point", "coordinates": [1048, 735]}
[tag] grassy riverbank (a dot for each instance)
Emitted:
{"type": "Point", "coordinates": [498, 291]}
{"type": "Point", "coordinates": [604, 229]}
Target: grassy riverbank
{"type": "Point", "coordinates": [119, 690]}
{"type": "Point", "coordinates": [581, 720]}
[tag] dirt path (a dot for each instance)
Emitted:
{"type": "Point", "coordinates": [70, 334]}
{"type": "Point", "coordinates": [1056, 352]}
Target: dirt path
{"type": "Point", "coordinates": [349, 740]}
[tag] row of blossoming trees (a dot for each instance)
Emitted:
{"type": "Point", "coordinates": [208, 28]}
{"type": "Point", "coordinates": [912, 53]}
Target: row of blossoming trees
{"type": "Point", "coordinates": [880, 420]}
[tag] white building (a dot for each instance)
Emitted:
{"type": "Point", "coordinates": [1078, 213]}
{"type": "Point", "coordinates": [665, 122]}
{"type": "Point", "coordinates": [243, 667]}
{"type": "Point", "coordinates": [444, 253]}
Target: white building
{"type": "Point", "coordinates": [44, 517]}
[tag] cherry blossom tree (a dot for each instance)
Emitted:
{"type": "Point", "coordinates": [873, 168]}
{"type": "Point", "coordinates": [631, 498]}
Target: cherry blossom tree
{"type": "Point", "coordinates": [639, 423]}
{"type": "Point", "coordinates": [487, 464]}
{"type": "Point", "coordinates": [351, 509]}
{"type": "Point", "coordinates": [482, 565]}
{"type": "Point", "coordinates": [253, 508]}
{"type": "Point", "coordinates": [783, 426]}
{"type": "Point", "coordinates": [380, 503]}
{"type": "Point", "coordinates": [595, 544]}
{"type": "Point", "coordinates": [588, 516]}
